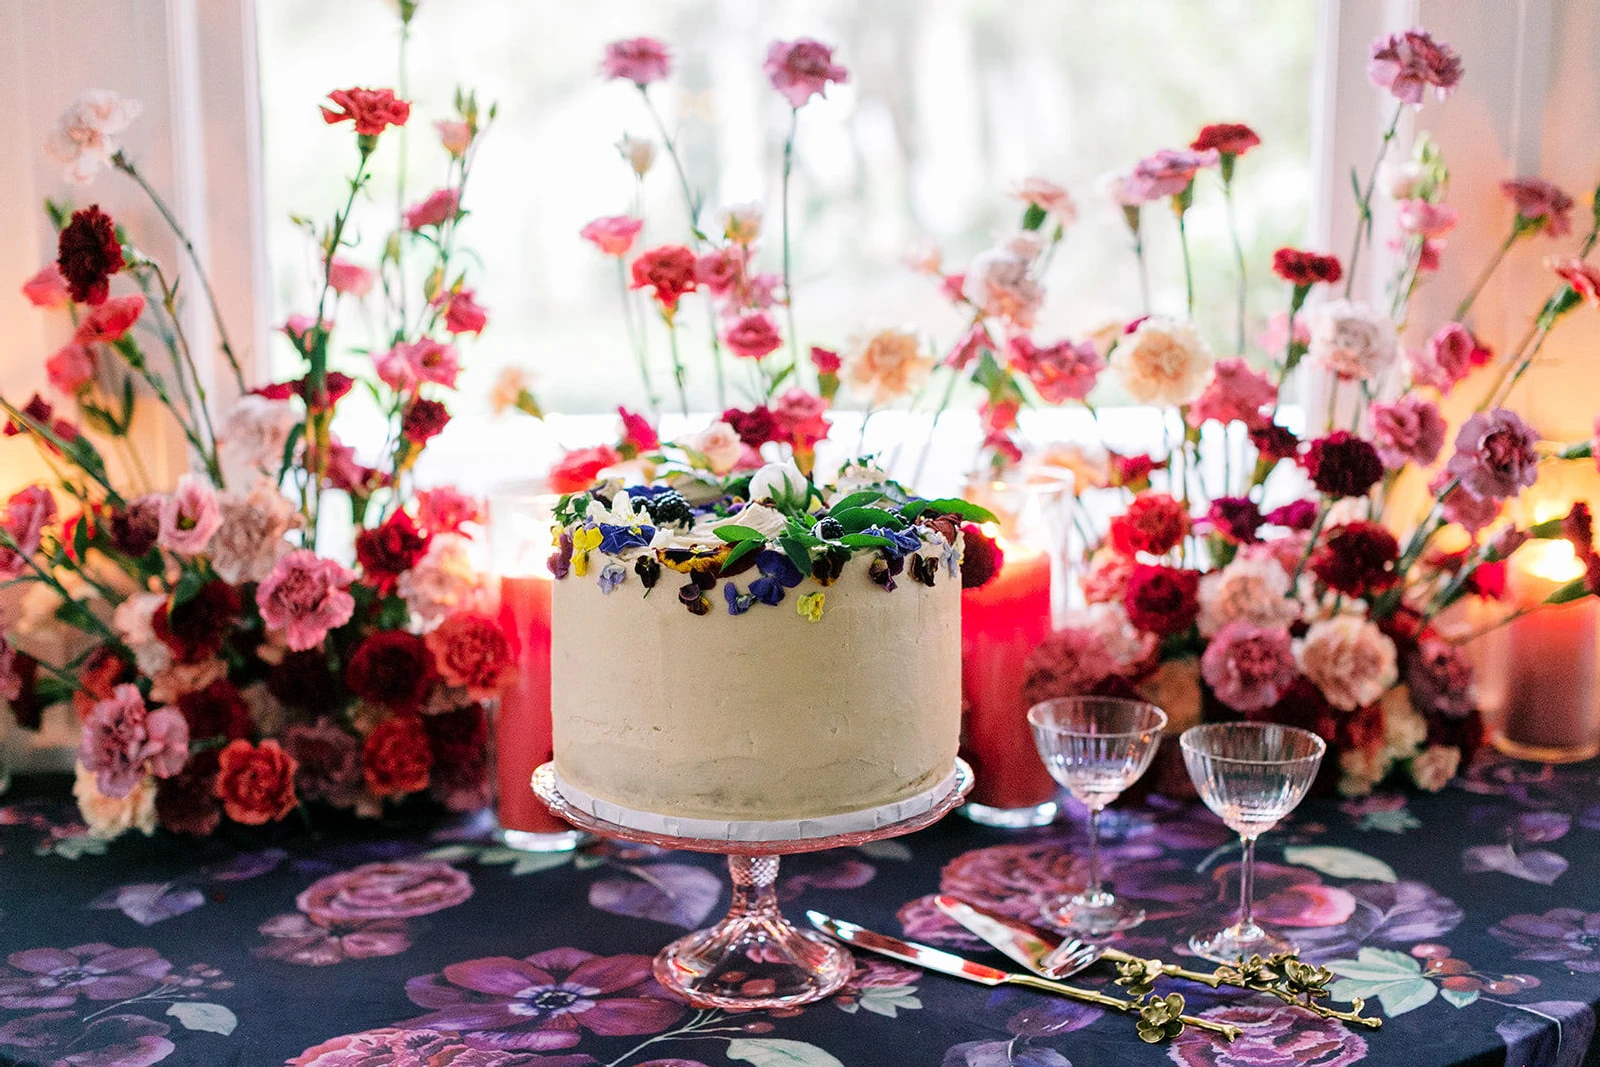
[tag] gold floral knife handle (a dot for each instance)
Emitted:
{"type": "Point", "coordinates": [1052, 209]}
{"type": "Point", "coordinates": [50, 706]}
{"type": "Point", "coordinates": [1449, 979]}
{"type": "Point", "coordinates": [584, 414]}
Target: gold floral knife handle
{"type": "Point", "coordinates": [1282, 975]}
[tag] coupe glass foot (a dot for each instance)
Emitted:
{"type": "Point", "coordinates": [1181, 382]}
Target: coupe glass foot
{"type": "Point", "coordinates": [1092, 916]}
{"type": "Point", "coordinates": [1236, 942]}
{"type": "Point", "coordinates": [754, 958]}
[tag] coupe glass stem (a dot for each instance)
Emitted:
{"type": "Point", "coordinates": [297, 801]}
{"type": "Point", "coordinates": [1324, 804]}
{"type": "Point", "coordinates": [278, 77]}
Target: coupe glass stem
{"type": "Point", "coordinates": [1247, 886]}
{"type": "Point", "coordinates": [1096, 894]}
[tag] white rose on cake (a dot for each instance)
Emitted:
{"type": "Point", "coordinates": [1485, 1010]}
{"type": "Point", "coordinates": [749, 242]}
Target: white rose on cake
{"type": "Point", "coordinates": [782, 483]}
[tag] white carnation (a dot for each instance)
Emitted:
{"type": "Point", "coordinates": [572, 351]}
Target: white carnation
{"type": "Point", "coordinates": [84, 138]}
{"type": "Point", "coordinates": [1350, 660]}
{"type": "Point", "coordinates": [1353, 340]}
{"type": "Point", "coordinates": [1164, 362]}
{"type": "Point", "coordinates": [1254, 589]}
{"type": "Point", "coordinates": [444, 580]}
{"type": "Point", "coordinates": [251, 440]}
{"type": "Point", "coordinates": [253, 534]}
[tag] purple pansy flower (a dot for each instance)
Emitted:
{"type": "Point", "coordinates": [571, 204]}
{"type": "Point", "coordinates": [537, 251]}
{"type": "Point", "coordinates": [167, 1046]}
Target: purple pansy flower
{"type": "Point", "coordinates": [901, 542]}
{"type": "Point", "coordinates": [1561, 935]}
{"type": "Point", "coordinates": [615, 539]}
{"type": "Point", "coordinates": [561, 559]}
{"type": "Point", "coordinates": [541, 1002]}
{"type": "Point", "coordinates": [321, 941]}
{"type": "Point", "coordinates": [738, 603]}
{"type": "Point", "coordinates": [611, 576]}
{"type": "Point", "coordinates": [55, 978]}
{"type": "Point", "coordinates": [779, 567]}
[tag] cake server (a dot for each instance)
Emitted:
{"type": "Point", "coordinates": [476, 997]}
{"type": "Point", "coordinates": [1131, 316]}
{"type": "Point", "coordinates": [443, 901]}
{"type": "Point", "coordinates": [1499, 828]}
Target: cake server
{"type": "Point", "coordinates": [1158, 1018]}
{"type": "Point", "coordinates": [1030, 948]}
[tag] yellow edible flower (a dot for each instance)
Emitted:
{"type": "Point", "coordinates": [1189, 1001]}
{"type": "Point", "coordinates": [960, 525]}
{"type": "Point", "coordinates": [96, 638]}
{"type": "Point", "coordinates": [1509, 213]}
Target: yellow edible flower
{"type": "Point", "coordinates": [810, 607]}
{"type": "Point", "coordinates": [584, 541]}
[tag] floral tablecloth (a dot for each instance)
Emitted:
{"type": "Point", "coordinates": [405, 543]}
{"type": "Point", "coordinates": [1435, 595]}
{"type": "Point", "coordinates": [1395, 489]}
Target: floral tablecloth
{"type": "Point", "coordinates": [1470, 920]}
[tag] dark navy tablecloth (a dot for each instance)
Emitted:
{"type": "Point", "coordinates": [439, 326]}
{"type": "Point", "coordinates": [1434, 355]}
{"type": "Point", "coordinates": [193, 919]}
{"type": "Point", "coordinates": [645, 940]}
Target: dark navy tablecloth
{"type": "Point", "coordinates": [1469, 919]}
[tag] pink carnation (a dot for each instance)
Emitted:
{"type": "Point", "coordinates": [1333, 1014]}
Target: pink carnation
{"type": "Point", "coordinates": [1408, 430]}
{"type": "Point", "coordinates": [347, 277]}
{"type": "Point", "coordinates": [304, 597]}
{"type": "Point", "coordinates": [752, 336]}
{"type": "Point", "coordinates": [71, 369]}
{"type": "Point", "coordinates": [46, 289]}
{"type": "Point", "coordinates": [1408, 63]}
{"type": "Point", "coordinates": [1495, 455]}
{"type": "Point", "coordinates": [122, 741]}
{"type": "Point", "coordinates": [1249, 667]}
{"type": "Point", "coordinates": [1060, 372]}
{"type": "Point", "coordinates": [426, 360]}
{"type": "Point", "coordinates": [27, 513]}
{"type": "Point", "coordinates": [720, 270]}
{"type": "Point", "coordinates": [462, 312]}
{"type": "Point", "coordinates": [1540, 201]}
{"type": "Point", "coordinates": [1236, 393]}
{"type": "Point", "coordinates": [1471, 513]}
{"type": "Point", "coordinates": [440, 207]}
{"type": "Point", "coordinates": [446, 509]}
{"type": "Point", "coordinates": [1167, 173]}
{"type": "Point", "coordinates": [1068, 662]}
{"type": "Point", "coordinates": [1105, 581]}
{"type": "Point", "coordinates": [1449, 357]}
{"type": "Point", "coordinates": [801, 69]}
{"type": "Point", "coordinates": [1423, 219]}
{"type": "Point", "coordinates": [189, 516]}
{"type": "Point", "coordinates": [641, 60]}
{"type": "Point", "coordinates": [612, 234]}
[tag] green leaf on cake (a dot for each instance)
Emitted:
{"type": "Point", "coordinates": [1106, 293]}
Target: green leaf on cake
{"type": "Point", "coordinates": [734, 533]}
{"type": "Point", "coordinates": [741, 550]}
{"type": "Point", "coordinates": [964, 509]}
{"type": "Point", "coordinates": [865, 540]}
{"type": "Point", "coordinates": [859, 499]}
{"type": "Point", "coordinates": [797, 552]}
{"type": "Point", "coordinates": [854, 520]}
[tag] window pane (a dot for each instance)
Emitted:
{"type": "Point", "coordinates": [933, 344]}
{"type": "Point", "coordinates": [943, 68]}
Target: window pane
{"type": "Point", "coordinates": [948, 105]}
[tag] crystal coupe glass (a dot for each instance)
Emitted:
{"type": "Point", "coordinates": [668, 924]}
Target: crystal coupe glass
{"type": "Point", "coordinates": [1096, 747]}
{"type": "Point", "coordinates": [1251, 774]}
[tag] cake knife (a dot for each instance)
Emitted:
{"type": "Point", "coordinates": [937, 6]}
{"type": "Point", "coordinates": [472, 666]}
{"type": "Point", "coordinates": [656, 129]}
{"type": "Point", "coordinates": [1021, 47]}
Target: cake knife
{"type": "Point", "coordinates": [933, 959]}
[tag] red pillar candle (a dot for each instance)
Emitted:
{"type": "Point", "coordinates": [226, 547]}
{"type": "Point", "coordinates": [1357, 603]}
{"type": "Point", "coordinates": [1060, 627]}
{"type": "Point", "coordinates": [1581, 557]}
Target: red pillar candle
{"type": "Point", "coordinates": [522, 733]}
{"type": "Point", "coordinates": [1001, 622]}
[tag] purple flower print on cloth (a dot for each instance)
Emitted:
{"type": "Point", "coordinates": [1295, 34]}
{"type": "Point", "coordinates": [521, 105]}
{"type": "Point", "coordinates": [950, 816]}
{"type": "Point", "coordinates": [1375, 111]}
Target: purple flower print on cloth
{"type": "Point", "coordinates": [395, 1047]}
{"type": "Point", "coordinates": [1565, 936]}
{"type": "Point", "coordinates": [60, 1039]}
{"type": "Point", "coordinates": [318, 941]}
{"type": "Point", "coordinates": [1387, 915]}
{"type": "Point", "coordinates": [1273, 1037]}
{"type": "Point", "coordinates": [398, 890]}
{"type": "Point", "coordinates": [541, 1002]}
{"type": "Point", "coordinates": [55, 977]}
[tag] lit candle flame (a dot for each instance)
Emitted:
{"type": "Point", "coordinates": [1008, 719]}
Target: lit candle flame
{"type": "Point", "coordinates": [1552, 561]}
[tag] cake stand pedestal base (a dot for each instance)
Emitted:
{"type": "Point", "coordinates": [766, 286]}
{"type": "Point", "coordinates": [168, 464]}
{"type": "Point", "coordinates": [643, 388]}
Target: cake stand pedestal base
{"type": "Point", "coordinates": [754, 958]}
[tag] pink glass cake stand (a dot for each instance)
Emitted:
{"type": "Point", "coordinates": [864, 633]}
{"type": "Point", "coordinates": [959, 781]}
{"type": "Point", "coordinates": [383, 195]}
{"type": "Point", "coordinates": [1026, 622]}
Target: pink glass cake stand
{"type": "Point", "coordinates": [753, 958]}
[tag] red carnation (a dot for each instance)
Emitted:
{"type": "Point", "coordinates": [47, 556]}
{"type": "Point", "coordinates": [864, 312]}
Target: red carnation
{"type": "Point", "coordinates": [88, 254]}
{"type": "Point", "coordinates": [578, 469]}
{"type": "Point", "coordinates": [826, 360]}
{"type": "Point", "coordinates": [1162, 600]}
{"type": "Point", "coordinates": [216, 711]}
{"type": "Point", "coordinates": [1342, 465]}
{"type": "Point", "coordinates": [390, 550]}
{"type": "Point", "coordinates": [1488, 580]}
{"type": "Point", "coordinates": [471, 652]}
{"type": "Point", "coordinates": [372, 110]}
{"type": "Point", "coordinates": [111, 320]}
{"type": "Point", "coordinates": [395, 758]}
{"type": "Point", "coordinates": [423, 420]}
{"type": "Point", "coordinates": [1356, 558]}
{"type": "Point", "coordinates": [392, 668]}
{"type": "Point", "coordinates": [1305, 269]}
{"type": "Point", "coordinates": [1154, 523]}
{"type": "Point", "coordinates": [334, 387]}
{"type": "Point", "coordinates": [1227, 138]}
{"type": "Point", "coordinates": [755, 427]}
{"type": "Point", "coordinates": [1133, 472]}
{"type": "Point", "coordinates": [637, 433]}
{"type": "Point", "coordinates": [981, 557]}
{"type": "Point", "coordinates": [668, 271]}
{"type": "Point", "coordinates": [255, 782]}
{"type": "Point", "coordinates": [1296, 515]}
{"type": "Point", "coordinates": [1274, 442]}
{"type": "Point", "coordinates": [1235, 518]}
{"type": "Point", "coordinates": [196, 629]}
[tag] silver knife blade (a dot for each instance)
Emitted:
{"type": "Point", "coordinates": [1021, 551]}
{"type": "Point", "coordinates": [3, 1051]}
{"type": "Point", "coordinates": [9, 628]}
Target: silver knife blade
{"type": "Point", "coordinates": [1017, 940]}
{"type": "Point", "coordinates": [931, 959]}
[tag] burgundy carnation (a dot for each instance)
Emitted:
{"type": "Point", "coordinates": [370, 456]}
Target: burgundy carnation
{"type": "Point", "coordinates": [304, 680]}
{"type": "Point", "coordinates": [1302, 268]}
{"type": "Point", "coordinates": [755, 427]}
{"type": "Point", "coordinates": [459, 744]}
{"type": "Point", "coordinates": [134, 527]}
{"type": "Point", "coordinates": [423, 420]}
{"type": "Point", "coordinates": [187, 802]}
{"type": "Point", "coordinates": [88, 254]}
{"type": "Point", "coordinates": [197, 628]}
{"type": "Point", "coordinates": [1274, 442]}
{"type": "Point", "coordinates": [1342, 465]}
{"type": "Point", "coordinates": [334, 387]}
{"type": "Point", "coordinates": [393, 668]}
{"type": "Point", "coordinates": [1356, 558]}
{"type": "Point", "coordinates": [390, 550]}
{"type": "Point", "coordinates": [329, 762]}
{"type": "Point", "coordinates": [1162, 600]}
{"type": "Point", "coordinates": [216, 711]}
{"type": "Point", "coordinates": [1296, 515]}
{"type": "Point", "coordinates": [981, 557]}
{"type": "Point", "coordinates": [1236, 518]}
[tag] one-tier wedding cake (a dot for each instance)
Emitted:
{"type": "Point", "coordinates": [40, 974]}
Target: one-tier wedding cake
{"type": "Point", "coordinates": [774, 654]}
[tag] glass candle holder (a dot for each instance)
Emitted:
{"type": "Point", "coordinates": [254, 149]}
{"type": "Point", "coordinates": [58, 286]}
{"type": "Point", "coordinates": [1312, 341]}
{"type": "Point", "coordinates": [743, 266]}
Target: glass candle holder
{"type": "Point", "coordinates": [1001, 623]}
{"type": "Point", "coordinates": [520, 524]}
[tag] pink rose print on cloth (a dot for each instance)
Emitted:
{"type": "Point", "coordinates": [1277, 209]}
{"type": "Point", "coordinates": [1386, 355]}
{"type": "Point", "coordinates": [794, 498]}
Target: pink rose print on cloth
{"type": "Point", "coordinates": [395, 1047]}
{"type": "Point", "coordinates": [542, 1002]}
{"type": "Point", "coordinates": [1273, 1037]}
{"type": "Point", "coordinates": [361, 913]}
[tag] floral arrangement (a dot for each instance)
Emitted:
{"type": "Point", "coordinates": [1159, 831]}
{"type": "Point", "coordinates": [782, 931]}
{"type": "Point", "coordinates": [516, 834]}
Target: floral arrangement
{"type": "Point", "coordinates": [1289, 584]}
{"type": "Point", "coordinates": [224, 667]}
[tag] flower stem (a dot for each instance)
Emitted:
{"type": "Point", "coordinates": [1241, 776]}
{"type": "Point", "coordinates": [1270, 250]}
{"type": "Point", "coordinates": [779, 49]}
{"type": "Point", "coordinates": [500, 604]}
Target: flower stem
{"type": "Point", "coordinates": [788, 282]}
{"type": "Point", "coordinates": [1311, 545]}
{"type": "Point", "coordinates": [1144, 272]}
{"type": "Point", "coordinates": [1483, 279]}
{"type": "Point", "coordinates": [927, 446]}
{"type": "Point", "coordinates": [124, 164]}
{"type": "Point", "coordinates": [1364, 205]}
{"type": "Point", "coordinates": [635, 341]}
{"type": "Point", "coordinates": [1188, 266]}
{"type": "Point", "coordinates": [1238, 256]}
{"type": "Point", "coordinates": [677, 365]}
